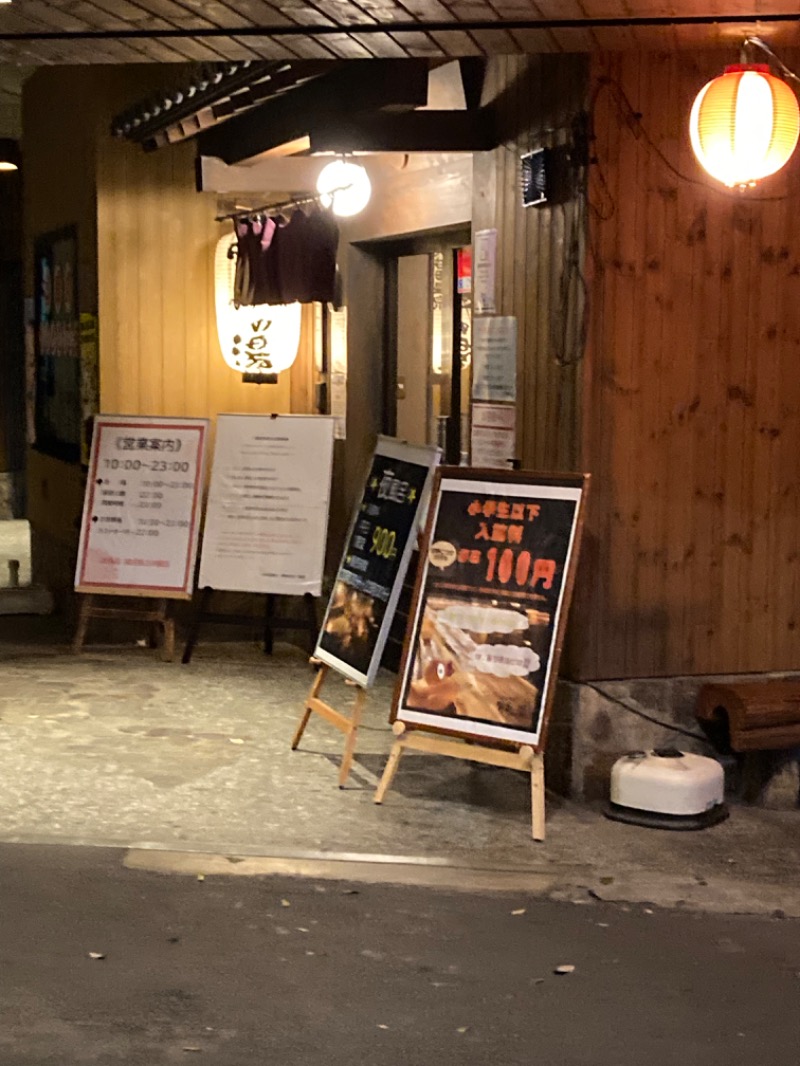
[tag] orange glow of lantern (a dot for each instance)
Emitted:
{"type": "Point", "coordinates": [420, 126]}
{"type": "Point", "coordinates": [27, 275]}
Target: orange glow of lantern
{"type": "Point", "coordinates": [744, 124]}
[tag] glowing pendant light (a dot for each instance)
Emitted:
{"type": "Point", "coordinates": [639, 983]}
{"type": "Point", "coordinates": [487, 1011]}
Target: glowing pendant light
{"type": "Point", "coordinates": [744, 124]}
{"type": "Point", "coordinates": [259, 341]}
{"type": "Point", "coordinates": [344, 187]}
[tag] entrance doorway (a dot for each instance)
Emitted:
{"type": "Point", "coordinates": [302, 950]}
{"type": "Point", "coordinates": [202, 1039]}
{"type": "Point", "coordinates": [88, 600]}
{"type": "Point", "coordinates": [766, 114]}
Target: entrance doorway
{"type": "Point", "coordinates": [427, 350]}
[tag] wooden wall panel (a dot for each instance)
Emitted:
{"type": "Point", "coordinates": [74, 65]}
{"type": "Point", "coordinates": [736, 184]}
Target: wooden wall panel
{"type": "Point", "coordinates": [537, 99]}
{"type": "Point", "coordinates": [156, 238]}
{"type": "Point", "coordinates": [692, 396]}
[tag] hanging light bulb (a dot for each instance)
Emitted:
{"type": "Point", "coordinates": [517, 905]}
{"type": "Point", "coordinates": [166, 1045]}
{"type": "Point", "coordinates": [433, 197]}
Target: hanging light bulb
{"type": "Point", "coordinates": [344, 187]}
{"type": "Point", "coordinates": [260, 341]}
{"type": "Point", "coordinates": [744, 124]}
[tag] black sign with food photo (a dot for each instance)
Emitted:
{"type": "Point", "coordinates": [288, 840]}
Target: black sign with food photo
{"type": "Point", "coordinates": [379, 545]}
{"type": "Point", "coordinates": [490, 604]}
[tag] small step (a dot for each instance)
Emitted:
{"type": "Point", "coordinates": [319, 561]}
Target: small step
{"type": "Point", "coordinates": [26, 599]}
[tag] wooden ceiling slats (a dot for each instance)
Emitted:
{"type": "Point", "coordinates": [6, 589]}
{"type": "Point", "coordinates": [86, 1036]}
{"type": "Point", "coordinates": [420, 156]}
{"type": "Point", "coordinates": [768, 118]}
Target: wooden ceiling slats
{"type": "Point", "coordinates": [537, 41]}
{"type": "Point", "coordinates": [273, 48]}
{"type": "Point", "coordinates": [418, 44]}
{"type": "Point", "coordinates": [77, 16]}
{"type": "Point", "coordinates": [457, 43]}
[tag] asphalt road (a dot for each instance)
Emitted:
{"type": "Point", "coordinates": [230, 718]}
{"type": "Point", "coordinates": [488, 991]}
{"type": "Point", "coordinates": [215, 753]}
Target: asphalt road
{"type": "Point", "coordinates": [240, 971]}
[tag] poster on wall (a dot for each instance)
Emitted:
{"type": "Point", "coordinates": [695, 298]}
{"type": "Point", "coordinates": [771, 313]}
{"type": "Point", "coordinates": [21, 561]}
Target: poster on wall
{"type": "Point", "coordinates": [141, 511]}
{"type": "Point", "coordinates": [377, 553]}
{"type": "Point", "coordinates": [56, 333]}
{"type": "Point", "coordinates": [484, 271]}
{"type": "Point", "coordinates": [494, 435]}
{"type": "Point", "coordinates": [494, 359]}
{"type": "Point", "coordinates": [267, 513]}
{"type": "Point", "coordinates": [486, 626]}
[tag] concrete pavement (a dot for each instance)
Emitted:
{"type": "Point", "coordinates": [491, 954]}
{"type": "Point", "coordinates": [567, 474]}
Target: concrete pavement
{"type": "Point", "coordinates": [250, 970]}
{"type": "Point", "coordinates": [117, 748]}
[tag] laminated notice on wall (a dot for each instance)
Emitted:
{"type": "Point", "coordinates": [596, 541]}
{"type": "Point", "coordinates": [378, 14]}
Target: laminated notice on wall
{"type": "Point", "coordinates": [493, 435]}
{"type": "Point", "coordinates": [494, 359]}
{"type": "Point", "coordinates": [484, 271]}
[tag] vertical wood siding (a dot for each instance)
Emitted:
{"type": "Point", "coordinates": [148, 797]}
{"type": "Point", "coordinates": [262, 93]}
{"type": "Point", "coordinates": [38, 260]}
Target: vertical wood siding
{"type": "Point", "coordinates": [156, 241]}
{"type": "Point", "coordinates": [537, 99]}
{"type": "Point", "coordinates": [692, 394]}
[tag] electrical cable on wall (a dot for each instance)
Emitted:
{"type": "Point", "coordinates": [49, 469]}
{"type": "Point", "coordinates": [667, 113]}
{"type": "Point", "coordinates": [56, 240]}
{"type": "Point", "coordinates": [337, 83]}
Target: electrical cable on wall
{"type": "Point", "coordinates": [649, 717]}
{"type": "Point", "coordinates": [633, 120]}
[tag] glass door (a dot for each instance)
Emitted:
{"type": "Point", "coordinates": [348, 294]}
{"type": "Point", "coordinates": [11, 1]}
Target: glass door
{"type": "Point", "coordinates": [428, 349]}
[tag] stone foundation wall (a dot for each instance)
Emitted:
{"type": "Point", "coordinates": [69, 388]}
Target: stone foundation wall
{"type": "Point", "coordinates": [589, 731]}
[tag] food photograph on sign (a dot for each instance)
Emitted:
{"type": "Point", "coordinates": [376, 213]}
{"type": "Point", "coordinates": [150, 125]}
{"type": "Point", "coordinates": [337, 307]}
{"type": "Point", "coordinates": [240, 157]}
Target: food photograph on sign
{"type": "Point", "coordinates": [366, 583]}
{"type": "Point", "coordinates": [490, 600]}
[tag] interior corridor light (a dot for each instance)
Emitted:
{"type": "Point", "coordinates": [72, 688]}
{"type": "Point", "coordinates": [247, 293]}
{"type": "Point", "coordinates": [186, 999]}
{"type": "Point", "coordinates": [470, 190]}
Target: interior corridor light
{"type": "Point", "coordinates": [344, 187]}
{"type": "Point", "coordinates": [10, 156]}
{"type": "Point", "coordinates": [744, 125]}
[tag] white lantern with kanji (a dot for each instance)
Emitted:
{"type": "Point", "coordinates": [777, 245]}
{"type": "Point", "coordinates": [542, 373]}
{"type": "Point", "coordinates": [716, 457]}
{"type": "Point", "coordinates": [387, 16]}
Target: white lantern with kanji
{"type": "Point", "coordinates": [261, 340]}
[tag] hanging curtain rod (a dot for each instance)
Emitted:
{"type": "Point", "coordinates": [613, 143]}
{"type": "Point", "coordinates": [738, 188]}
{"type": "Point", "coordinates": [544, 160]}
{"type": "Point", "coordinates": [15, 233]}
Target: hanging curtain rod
{"type": "Point", "coordinates": [282, 205]}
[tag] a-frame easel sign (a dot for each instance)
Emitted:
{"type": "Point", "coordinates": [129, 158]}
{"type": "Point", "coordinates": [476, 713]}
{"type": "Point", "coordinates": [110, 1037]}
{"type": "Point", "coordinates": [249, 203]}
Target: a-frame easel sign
{"type": "Point", "coordinates": [487, 622]}
{"type": "Point", "coordinates": [379, 545]}
{"type": "Point", "coordinates": [141, 517]}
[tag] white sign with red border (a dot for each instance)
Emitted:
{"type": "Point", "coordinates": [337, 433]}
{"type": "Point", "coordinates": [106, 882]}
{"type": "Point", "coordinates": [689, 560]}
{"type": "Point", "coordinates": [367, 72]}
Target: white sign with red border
{"type": "Point", "coordinates": [141, 511]}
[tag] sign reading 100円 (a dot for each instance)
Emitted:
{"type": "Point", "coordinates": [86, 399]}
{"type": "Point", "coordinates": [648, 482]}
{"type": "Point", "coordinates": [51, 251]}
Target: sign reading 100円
{"type": "Point", "coordinates": [486, 626]}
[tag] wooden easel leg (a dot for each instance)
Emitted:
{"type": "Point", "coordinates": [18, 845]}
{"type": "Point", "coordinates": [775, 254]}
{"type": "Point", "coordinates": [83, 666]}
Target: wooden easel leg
{"type": "Point", "coordinates": [352, 736]}
{"type": "Point", "coordinates": [84, 609]}
{"type": "Point", "coordinates": [313, 694]}
{"type": "Point", "coordinates": [269, 614]}
{"type": "Point", "coordinates": [194, 627]}
{"type": "Point", "coordinates": [392, 763]}
{"type": "Point", "coordinates": [537, 796]}
{"type": "Point", "coordinates": [313, 623]}
{"type": "Point", "coordinates": [168, 649]}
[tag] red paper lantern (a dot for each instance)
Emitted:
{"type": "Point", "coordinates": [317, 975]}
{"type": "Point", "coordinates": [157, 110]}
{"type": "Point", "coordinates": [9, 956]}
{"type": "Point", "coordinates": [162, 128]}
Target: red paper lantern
{"type": "Point", "coordinates": [744, 124]}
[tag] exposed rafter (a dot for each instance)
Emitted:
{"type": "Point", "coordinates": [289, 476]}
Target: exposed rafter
{"type": "Point", "coordinates": [416, 131]}
{"type": "Point", "coordinates": [352, 88]}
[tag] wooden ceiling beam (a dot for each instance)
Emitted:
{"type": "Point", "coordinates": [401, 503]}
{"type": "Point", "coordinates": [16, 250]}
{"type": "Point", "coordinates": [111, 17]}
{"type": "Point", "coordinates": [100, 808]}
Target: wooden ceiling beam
{"type": "Point", "coordinates": [354, 87]}
{"type": "Point", "coordinates": [415, 131]}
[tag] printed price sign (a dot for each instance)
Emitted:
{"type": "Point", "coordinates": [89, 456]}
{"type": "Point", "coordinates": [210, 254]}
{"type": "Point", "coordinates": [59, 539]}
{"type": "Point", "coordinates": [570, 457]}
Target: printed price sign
{"type": "Point", "coordinates": [142, 506]}
{"type": "Point", "coordinates": [486, 627]}
{"type": "Point", "coordinates": [376, 557]}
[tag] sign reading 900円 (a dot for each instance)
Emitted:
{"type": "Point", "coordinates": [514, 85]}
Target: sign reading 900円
{"type": "Point", "coordinates": [379, 546]}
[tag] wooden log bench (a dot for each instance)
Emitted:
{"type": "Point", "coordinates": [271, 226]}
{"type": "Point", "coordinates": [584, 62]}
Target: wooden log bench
{"type": "Point", "coordinates": [752, 719]}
